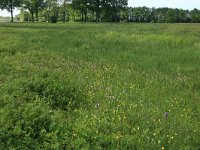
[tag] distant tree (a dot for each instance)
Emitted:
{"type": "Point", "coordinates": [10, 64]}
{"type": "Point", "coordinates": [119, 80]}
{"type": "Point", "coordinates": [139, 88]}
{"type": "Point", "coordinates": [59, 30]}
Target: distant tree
{"type": "Point", "coordinates": [24, 16]}
{"type": "Point", "coordinates": [39, 5]}
{"type": "Point", "coordinates": [184, 16]}
{"type": "Point", "coordinates": [161, 14]}
{"type": "Point", "coordinates": [30, 5]}
{"type": "Point", "coordinates": [54, 11]}
{"type": "Point", "coordinates": [50, 9]}
{"type": "Point", "coordinates": [82, 7]}
{"type": "Point", "coordinates": [96, 7]}
{"type": "Point", "coordinates": [106, 10]}
{"type": "Point", "coordinates": [171, 16]}
{"type": "Point", "coordinates": [63, 6]}
{"type": "Point", "coordinates": [141, 14]}
{"type": "Point", "coordinates": [10, 5]}
{"type": "Point", "coordinates": [73, 15]}
{"type": "Point", "coordinates": [112, 10]}
{"type": "Point", "coordinates": [34, 6]}
{"type": "Point", "coordinates": [195, 15]}
{"type": "Point", "coordinates": [116, 7]}
{"type": "Point", "coordinates": [152, 15]}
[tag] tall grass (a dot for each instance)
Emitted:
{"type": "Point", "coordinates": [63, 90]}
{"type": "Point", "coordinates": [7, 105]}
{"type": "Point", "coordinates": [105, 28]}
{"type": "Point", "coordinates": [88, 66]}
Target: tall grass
{"type": "Point", "coordinates": [99, 86]}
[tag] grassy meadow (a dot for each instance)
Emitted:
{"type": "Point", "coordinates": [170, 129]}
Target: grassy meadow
{"type": "Point", "coordinates": [99, 86]}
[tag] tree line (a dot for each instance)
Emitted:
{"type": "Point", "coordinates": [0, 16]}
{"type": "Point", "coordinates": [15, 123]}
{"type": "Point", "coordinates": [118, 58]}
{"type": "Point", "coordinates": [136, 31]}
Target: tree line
{"type": "Point", "coordinates": [95, 11]}
{"type": "Point", "coordinates": [163, 15]}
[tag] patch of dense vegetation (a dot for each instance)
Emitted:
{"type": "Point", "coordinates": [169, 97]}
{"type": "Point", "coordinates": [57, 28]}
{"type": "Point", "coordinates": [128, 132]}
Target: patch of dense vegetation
{"type": "Point", "coordinates": [108, 86]}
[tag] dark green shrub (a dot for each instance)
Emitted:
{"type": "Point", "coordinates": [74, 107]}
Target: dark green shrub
{"type": "Point", "coordinates": [63, 95]}
{"type": "Point", "coordinates": [59, 95]}
{"type": "Point", "coordinates": [31, 111]}
{"type": "Point", "coordinates": [53, 19]}
{"type": "Point", "coordinates": [28, 126]}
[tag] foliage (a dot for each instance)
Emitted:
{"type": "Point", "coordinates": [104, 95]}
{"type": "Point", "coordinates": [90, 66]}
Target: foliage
{"type": "Point", "coordinates": [195, 15]}
{"type": "Point", "coordinates": [97, 11]}
{"type": "Point", "coordinates": [162, 15]}
{"type": "Point", "coordinates": [24, 16]}
{"type": "Point", "coordinates": [34, 6]}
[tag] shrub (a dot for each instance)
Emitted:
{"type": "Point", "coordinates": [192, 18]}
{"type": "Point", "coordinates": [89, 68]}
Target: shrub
{"type": "Point", "coordinates": [63, 95]}
{"type": "Point", "coordinates": [53, 19]}
{"type": "Point", "coordinates": [28, 126]}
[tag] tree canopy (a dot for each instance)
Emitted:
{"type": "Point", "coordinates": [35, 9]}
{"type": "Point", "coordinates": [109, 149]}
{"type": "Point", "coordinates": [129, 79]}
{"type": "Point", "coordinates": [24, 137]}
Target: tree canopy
{"type": "Point", "coordinates": [96, 11]}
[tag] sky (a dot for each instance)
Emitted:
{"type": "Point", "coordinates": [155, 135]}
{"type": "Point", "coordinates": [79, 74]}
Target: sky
{"type": "Point", "coordinates": [184, 4]}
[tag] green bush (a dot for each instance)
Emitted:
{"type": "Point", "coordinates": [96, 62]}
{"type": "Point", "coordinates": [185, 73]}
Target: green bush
{"type": "Point", "coordinates": [64, 95]}
{"type": "Point", "coordinates": [30, 111]}
{"type": "Point", "coordinates": [28, 126]}
{"type": "Point", "coordinates": [53, 19]}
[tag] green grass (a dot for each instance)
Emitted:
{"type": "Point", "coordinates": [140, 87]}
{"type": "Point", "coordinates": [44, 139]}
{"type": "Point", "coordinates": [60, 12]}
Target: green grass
{"type": "Point", "coordinates": [99, 86]}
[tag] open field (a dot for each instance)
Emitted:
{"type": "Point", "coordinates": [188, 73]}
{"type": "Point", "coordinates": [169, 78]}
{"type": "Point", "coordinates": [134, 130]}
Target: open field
{"type": "Point", "coordinates": [100, 86]}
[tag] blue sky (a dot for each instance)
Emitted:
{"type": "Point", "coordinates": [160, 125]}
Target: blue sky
{"type": "Point", "coordinates": [184, 4]}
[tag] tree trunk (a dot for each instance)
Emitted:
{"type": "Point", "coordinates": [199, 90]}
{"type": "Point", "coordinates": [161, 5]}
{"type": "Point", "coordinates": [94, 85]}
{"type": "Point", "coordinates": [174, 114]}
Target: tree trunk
{"type": "Point", "coordinates": [82, 19]}
{"type": "Point", "coordinates": [32, 16]}
{"type": "Point", "coordinates": [36, 14]}
{"type": "Point", "coordinates": [11, 15]}
{"type": "Point", "coordinates": [48, 18]}
{"type": "Point", "coordinates": [97, 16]}
{"type": "Point", "coordinates": [64, 17]}
{"type": "Point", "coordinates": [64, 13]}
{"type": "Point", "coordinates": [11, 11]}
{"type": "Point", "coordinates": [85, 16]}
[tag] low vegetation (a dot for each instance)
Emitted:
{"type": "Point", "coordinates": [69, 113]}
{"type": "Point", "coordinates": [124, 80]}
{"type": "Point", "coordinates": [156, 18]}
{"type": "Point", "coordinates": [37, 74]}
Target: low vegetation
{"type": "Point", "coordinates": [99, 86]}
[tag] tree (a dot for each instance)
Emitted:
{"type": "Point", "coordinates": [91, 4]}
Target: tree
{"type": "Point", "coordinates": [50, 4]}
{"type": "Point", "coordinates": [64, 9]}
{"type": "Point", "coordinates": [195, 15]}
{"type": "Point", "coordinates": [10, 5]}
{"type": "Point", "coordinates": [184, 16]}
{"type": "Point", "coordinates": [171, 16]}
{"type": "Point", "coordinates": [82, 6]}
{"type": "Point", "coordinates": [24, 15]}
{"type": "Point", "coordinates": [29, 4]}
{"type": "Point", "coordinates": [115, 7]}
{"type": "Point", "coordinates": [39, 5]}
{"type": "Point", "coordinates": [54, 11]}
{"type": "Point", "coordinates": [160, 14]}
{"type": "Point", "coordinates": [34, 6]}
{"type": "Point", "coordinates": [141, 14]}
{"type": "Point", "coordinates": [96, 7]}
